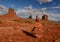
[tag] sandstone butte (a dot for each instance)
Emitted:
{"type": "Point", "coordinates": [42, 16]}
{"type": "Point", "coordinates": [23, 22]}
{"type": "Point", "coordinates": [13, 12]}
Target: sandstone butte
{"type": "Point", "coordinates": [17, 29]}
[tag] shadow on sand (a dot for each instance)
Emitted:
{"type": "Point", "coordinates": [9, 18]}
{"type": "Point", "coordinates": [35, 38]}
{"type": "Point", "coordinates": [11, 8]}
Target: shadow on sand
{"type": "Point", "coordinates": [29, 34]}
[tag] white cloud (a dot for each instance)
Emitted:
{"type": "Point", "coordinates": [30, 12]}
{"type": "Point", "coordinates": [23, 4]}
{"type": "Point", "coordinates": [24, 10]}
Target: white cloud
{"type": "Point", "coordinates": [53, 17]}
{"type": "Point", "coordinates": [25, 12]}
{"type": "Point", "coordinates": [28, 7]}
{"type": "Point", "coordinates": [29, 11]}
{"type": "Point", "coordinates": [3, 9]}
{"type": "Point", "coordinates": [56, 7]}
{"type": "Point", "coordinates": [44, 1]}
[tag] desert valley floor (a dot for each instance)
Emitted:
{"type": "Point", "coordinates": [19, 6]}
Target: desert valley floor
{"type": "Point", "coordinates": [16, 29]}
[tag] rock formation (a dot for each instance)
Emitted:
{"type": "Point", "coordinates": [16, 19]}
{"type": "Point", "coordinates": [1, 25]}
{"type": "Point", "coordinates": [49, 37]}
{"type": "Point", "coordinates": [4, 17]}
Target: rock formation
{"type": "Point", "coordinates": [59, 21]}
{"type": "Point", "coordinates": [10, 15]}
{"type": "Point", "coordinates": [30, 17]}
{"type": "Point", "coordinates": [45, 17]}
{"type": "Point", "coordinates": [37, 19]}
{"type": "Point", "coordinates": [11, 11]}
{"type": "Point", "coordinates": [38, 28]}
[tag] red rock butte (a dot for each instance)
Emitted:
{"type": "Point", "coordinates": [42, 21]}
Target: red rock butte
{"type": "Point", "coordinates": [10, 15]}
{"type": "Point", "coordinates": [11, 11]}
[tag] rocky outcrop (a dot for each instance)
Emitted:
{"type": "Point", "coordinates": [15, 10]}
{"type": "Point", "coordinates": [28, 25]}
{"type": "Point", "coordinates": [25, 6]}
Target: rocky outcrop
{"type": "Point", "coordinates": [38, 28]}
{"type": "Point", "coordinates": [45, 17]}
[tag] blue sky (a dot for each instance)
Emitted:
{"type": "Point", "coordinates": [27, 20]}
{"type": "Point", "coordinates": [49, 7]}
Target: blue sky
{"type": "Point", "coordinates": [23, 3]}
{"type": "Point", "coordinates": [39, 7]}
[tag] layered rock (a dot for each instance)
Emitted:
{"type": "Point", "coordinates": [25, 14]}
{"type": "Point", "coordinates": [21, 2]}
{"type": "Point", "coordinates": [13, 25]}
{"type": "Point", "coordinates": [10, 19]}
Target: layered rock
{"type": "Point", "coordinates": [45, 17]}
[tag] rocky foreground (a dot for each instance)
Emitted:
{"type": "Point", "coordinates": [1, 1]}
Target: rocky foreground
{"type": "Point", "coordinates": [15, 29]}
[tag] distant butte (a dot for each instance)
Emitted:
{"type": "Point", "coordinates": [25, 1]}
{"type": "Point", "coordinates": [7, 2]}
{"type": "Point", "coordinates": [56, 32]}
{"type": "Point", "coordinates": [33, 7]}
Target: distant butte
{"type": "Point", "coordinates": [37, 19]}
{"type": "Point", "coordinates": [45, 17]}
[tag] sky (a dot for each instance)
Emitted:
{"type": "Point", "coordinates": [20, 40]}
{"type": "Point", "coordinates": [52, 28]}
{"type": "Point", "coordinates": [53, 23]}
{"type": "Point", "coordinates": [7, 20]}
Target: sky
{"type": "Point", "coordinates": [25, 8]}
